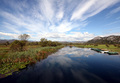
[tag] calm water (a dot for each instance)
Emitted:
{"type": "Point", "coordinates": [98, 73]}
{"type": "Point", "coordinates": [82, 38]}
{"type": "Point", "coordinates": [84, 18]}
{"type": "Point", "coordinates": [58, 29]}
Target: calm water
{"type": "Point", "coordinates": [71, 65]}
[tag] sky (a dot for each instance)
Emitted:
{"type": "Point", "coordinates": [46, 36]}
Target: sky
{"type": "Point", "coordinates": [59, 20]}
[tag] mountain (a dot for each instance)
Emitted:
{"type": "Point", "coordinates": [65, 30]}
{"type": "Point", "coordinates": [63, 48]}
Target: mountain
{"type": "Point", "coordinates": [112, 39]}
{"type": "Point", "coordinates": [2, 41]}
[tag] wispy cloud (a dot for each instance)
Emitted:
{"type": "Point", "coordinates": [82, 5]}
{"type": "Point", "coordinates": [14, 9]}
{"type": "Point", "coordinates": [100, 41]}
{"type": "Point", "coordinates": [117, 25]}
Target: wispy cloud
{"type": "Point", "coordinates": [116, 10]}
{"type": "Point", "coordinates": [50, 18]}
{"type": "Point", "coordinates": [82, 9]}
{"type": "Point", "coordinates": [118, 21]}
{"type": "Point", "coordinates": [90, 8]}
{"type": "Point", "coordinates": [47, 9]}
{"type": "Point", "coordinates": [9, 34]}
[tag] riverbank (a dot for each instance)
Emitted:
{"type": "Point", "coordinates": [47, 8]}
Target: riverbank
{"type": "Point", "coordinates": [111, 48]}
{"type": "Point", "coordinates": [13, 61]}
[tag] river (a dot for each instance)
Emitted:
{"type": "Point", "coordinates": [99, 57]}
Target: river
{"type": "Point", "coordinates": [71, 65]}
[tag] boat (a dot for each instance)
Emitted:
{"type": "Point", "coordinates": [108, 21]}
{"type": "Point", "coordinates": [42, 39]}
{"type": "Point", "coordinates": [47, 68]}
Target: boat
{"type": "Point", "coordinates": [104, 52]}
{"type": "Point", "coordinates": [113, 53]}
{"type": "Point", "coordinates": [96, 49]}
{"type": "Point", "coordinates": [92, 48]}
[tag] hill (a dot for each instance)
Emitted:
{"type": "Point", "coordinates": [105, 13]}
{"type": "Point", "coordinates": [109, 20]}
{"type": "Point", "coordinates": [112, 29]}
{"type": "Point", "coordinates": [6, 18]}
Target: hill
{"type": "Point", "coordinates": [2, 41]}
{"type": "Point", "coordinates": [105, 40]}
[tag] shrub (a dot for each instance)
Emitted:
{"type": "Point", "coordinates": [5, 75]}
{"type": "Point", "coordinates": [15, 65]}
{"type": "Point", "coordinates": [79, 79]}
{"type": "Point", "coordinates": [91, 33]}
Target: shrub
{"type": "Point", "coordinates": [18, 45]}
{"type": "Point", "coordinates": [43, 42]}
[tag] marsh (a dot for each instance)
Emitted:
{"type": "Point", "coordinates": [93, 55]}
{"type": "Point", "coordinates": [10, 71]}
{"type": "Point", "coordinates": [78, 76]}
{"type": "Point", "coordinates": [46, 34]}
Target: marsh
{"type": "Point", "coordinates": [71, 65]}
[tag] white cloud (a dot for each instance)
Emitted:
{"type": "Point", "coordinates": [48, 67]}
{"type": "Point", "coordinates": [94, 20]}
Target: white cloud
{"type": "Point", "coordinates": [28, 24]}
{"type": "Point", "coordinates": [10, 28]}
{"type": "Point", "coordinates": [60, 15]}
{"type": "Point", "coordinates": [63, 27]}
{"type": "Point", "coordinates": [82, 8]}
{"type": "Point", "coordinates": [9, 34]}
{"type": "Point", "coordinates": [108, 34]}
{"type": "Point", "coordinates": [51, 18]}
{"type": "Point", "coordinates": [91, 8]}
{"type": "Point", "coordinates": [47, 9]}
{"type": "Point", "coordinates": [73, 36]}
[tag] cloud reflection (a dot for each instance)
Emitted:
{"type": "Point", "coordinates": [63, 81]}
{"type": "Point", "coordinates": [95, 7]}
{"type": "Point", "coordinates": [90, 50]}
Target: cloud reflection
{"type": "Point", "coordinates": [64, 66]}
{"type": "Point", "coordinates": [64, 57]}
{"type": "Point", "coordinates": [74, 52]}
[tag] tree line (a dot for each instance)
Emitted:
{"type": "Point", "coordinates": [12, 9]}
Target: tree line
{"type": "Point", "coordinates": [20, 45]}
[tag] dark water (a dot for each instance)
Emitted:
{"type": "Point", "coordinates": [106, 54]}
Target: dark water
{"type": "Point", "coordinates": [71, 65]}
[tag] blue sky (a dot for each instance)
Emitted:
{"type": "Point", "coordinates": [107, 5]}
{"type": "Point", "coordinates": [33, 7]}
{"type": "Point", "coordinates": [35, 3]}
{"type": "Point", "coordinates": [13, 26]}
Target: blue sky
{"type": "Point", "coordinates": [59, 20]}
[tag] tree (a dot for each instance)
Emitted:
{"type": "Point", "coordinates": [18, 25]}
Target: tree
{"type": "Point", "coordinates": [43, 42]}
{"type": "Point", "coordinates": [24, 37]}
{"type": "Point", "coordinates": [20, 45]}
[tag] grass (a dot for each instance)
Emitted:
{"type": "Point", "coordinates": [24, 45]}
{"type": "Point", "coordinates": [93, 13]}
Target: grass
{"type": "Point", "coordinates": [13, 61]}
{"type": "Point", "coordinates": [111, 48]}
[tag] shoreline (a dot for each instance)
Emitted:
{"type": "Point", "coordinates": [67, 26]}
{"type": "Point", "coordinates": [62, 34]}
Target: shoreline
{"type": "Point", "coordinates": [19, 60]}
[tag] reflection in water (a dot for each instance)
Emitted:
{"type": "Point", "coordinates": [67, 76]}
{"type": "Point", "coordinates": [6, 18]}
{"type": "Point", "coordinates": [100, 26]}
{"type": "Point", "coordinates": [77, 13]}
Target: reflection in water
{"type": "Point", "coordinates": [75, 52]}
{"type": "Point", "coordinates": [71, 65]}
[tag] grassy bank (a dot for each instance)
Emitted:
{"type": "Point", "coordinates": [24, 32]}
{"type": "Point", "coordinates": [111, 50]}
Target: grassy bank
{"type": "Point", "coordinates": [10, 62]}
{"type": "Point", "coordinates": [111, 48]}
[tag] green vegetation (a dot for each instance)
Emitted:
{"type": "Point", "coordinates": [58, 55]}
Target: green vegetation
{"type": "Point", "coordinates": [44, 42]}
{"type": "Point", "coordinates": [101, 46]}
{"type": "Point", "coordinates": [13, 61]}
{"type": "Point", "coordinates": [21, 53]}
{"type": "Point", "coordinates": [18, 45]}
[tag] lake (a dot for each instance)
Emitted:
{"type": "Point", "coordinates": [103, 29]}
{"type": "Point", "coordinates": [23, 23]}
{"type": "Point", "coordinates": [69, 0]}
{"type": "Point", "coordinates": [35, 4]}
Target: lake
{"type": "Point", "coordinates": [70, 65]}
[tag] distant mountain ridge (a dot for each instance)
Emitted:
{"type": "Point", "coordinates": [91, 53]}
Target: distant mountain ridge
{"type": "Point", "coordinates": [2, 41]}
{"type": "Point", "coordinates": [112, 39]}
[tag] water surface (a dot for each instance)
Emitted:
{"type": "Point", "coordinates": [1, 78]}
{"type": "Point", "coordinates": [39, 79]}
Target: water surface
{"type": "Point", "coordinates": [71, 65]}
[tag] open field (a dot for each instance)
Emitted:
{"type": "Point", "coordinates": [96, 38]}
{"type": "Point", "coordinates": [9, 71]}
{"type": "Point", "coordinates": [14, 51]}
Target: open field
{"type": "Point", "coordinates": [13, 61]}
{"type": "Point", "coordinates": [103, 47]}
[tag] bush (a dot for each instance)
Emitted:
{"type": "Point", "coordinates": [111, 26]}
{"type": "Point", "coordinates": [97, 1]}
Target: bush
{"type": "Point", "coordinates": [43, 42]}
{"type": "Point", "coordinates": [18, 45]}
